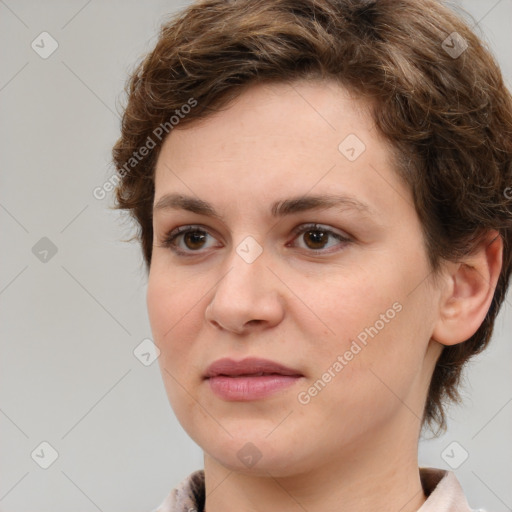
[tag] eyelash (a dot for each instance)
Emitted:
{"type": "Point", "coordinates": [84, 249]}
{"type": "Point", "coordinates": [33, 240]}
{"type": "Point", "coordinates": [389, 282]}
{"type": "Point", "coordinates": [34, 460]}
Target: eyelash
{"type": "Point", "coordinates": [169, 241]}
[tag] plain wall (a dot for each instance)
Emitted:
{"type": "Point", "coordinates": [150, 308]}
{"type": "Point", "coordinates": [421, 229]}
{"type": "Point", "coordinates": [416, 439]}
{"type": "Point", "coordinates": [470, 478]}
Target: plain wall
{"type": "Point", "coordinates": [69, 325]}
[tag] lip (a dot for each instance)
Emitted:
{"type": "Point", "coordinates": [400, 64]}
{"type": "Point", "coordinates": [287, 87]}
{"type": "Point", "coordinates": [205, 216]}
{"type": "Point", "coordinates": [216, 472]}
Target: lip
{"type": "Point", "coordinates": [249, 366]}
{"type": "Point", "coordinates": [249, 379]}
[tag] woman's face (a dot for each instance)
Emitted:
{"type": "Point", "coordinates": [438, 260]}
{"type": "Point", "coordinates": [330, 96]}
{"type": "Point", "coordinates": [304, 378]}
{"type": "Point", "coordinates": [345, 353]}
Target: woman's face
{"type": "Point", "coordinates": [346, 306]}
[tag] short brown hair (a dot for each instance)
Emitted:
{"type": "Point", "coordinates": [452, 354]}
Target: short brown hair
{"type": "Point", "coordinates": [447, 116]}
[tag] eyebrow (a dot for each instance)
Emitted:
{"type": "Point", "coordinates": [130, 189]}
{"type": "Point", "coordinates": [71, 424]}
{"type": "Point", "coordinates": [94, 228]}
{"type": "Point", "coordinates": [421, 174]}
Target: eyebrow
{"type": "Point", "coordinates": [279, 208]}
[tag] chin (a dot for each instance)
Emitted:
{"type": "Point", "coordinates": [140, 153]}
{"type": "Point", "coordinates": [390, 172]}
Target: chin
{"type": "Point", "coordinates": [257, 455]}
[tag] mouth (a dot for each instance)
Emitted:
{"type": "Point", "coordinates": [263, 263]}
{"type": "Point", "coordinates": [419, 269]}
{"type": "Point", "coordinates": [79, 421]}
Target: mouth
{"type": "Point", "coordinates": [250, 367]}
{"type": "Point", "coordinates": [249, 379]}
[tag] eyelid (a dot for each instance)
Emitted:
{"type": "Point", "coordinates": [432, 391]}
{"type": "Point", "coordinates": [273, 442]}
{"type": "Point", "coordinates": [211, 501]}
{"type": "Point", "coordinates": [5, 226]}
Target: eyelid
{"type": "Point", "coordinates": [187, 227]}
{"type": "Point", "coordinates": [320, 227]}
{"type": "Point", "coordinates": [342, 237]}
{"type": "Point", "coordinates": [171, 236]}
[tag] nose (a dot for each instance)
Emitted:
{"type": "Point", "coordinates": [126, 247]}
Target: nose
{"type": "Point", "coordinates": [248, 297]}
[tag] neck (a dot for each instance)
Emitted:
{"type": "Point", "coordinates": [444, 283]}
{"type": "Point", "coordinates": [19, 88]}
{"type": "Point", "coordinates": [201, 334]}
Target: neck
{"type": "Point", "coordinates": [380, 474]}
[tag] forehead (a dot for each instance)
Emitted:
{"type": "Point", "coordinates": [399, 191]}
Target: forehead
{"type": "Point", "coordinates": [298, 109]}
{"type": "Point", "coordinates": [281, 137]}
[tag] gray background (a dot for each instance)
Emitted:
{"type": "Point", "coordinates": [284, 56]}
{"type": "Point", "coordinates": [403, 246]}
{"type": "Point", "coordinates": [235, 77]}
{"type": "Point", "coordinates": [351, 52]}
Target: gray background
{"type": "Point", "coordinates": [69, 325]}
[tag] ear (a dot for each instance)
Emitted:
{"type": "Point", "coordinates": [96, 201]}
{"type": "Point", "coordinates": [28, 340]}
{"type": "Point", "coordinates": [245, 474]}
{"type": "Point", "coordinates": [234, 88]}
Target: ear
{"type": "Point", "coordinates": [468, 291]}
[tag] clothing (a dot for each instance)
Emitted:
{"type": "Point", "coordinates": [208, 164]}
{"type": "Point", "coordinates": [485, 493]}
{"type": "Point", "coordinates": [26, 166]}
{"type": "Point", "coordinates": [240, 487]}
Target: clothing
{"type": "Point", "coordinates": [442, 489]}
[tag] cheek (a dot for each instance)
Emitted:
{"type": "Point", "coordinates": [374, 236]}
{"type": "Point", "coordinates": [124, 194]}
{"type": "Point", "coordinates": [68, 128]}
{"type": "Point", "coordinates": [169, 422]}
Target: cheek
{"type": "Point", "coordinates": [174, 325]}
{"type": "Point", "coordinates": [168, 298]}
{"type": "Point", "coordinates": [347, 304]}
{"type": "Point", "coordinates": [376, 325]}
{"type": "Point", "coordinates": [173, 310]}
{"type": "Point", "coordinates": [161, 306]}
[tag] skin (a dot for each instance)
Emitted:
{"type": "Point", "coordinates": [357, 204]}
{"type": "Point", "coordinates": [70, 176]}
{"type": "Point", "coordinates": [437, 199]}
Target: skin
{"type": "Point", "coordinates": [355, 442]}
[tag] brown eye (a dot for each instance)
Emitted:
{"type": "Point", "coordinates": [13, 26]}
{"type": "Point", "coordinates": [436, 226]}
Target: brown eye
{"type": "Point", "coordinates": [319, 239]}
{"type": "Point", "coordinates": [188, 240]}
{"type": "Point", "coordinates": [315, 238]}
{"type": "Point", "coordinates": [194, 239]}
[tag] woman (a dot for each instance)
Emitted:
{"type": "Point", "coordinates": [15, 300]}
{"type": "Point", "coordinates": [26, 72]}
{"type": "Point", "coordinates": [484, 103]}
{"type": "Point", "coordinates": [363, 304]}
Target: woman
{"type": "Point", "coordinates": [321, 190]}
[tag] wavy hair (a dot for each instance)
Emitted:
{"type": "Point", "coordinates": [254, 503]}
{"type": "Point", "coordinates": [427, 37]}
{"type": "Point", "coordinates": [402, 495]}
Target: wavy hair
{"type": "Point", "coordinates": [438, 97]}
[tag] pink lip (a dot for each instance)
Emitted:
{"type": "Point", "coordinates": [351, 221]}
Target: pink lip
{"type": "Point", "coordinates": [249, 379]}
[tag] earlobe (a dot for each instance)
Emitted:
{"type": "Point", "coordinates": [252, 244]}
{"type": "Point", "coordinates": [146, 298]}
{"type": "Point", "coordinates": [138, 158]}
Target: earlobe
{"type": "Point", "coordinates": [469, 290]}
